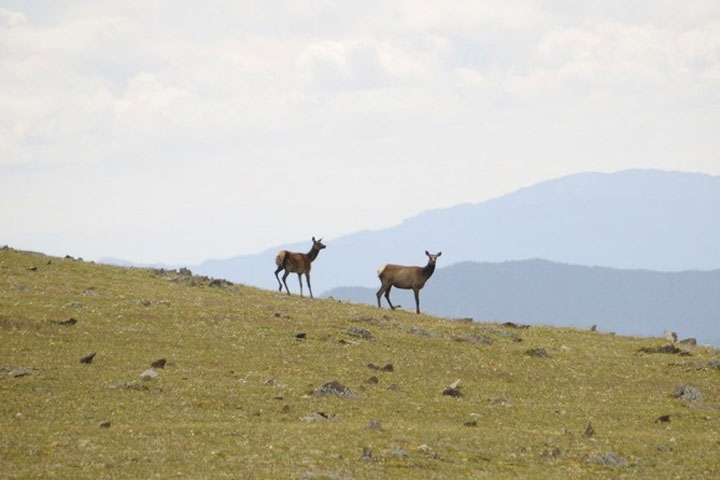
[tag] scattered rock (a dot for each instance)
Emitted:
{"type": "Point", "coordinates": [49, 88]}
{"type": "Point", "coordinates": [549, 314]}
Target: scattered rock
{"type": "Point", "coordinates": [334, 389]}
{"type": "Point", "coordinates": [688, 341]}
{"type": "Point", "coordinates": [360, 332]}
{"type": "Point", "coordinates": [286, 409]}
{"type": "Point", "coordinates": [159, 363]}
{"type": "Point", "coordinates": [398, 452]}
{"type": "Point", "coordinates": [372, 380]}
{"type": "Point", "coordinates": [319, 417]}
{"type": "Point", "coordinates": [500, 401]}
{"type": "Point", "coordinates": [419, 331]}
{"type": "Point", "coordinates": [714, 363]}
{"type": "Point", "coordinates": [663, 419]}
{"type": "Point", "coordinates": [593, 328]}
{"type": "Point", "coordinates": [32, 269]}
{"type": "Point", "coordinates": [470, 423]}
{"type": "Point", "coordinates": [105, 425]}
{"type": "Point", "coordinates": [373, 425]}
{"type": "Point", "coordinates": [610, 459]}
{"type": "Point", "coordinates": [515, 325]}
{"type": "Point", "coordinates": [73, 305]}
{"type": "Point", "coordinates": [90, 292]}
{"type": "Point", "coordinates": [554, 453]}
{"type": "Point", "coordinates": [88, 358]}
{"type": "Point", "coordinates": [388, 368]}
{"type": "Point", "coordinates": [453, 390]}
{"type": "Point", "coordinates": [669, 348]}
{"type": "Point", "coordinates": [220, 282]}
{"type": "Point", "coordinates": [394, 387]}
{"type": "Point", "coordinates": [143, 302]}
{"type": "Point", "coordinates": [301, 335]}
{"type": "Point", "coordinates": [589, 430]}
{"type": "Point", "coordinates": [149, 374]}
{"type": "Point", "coordinates": [367, 454]}
{"type": "Point", "coordinates": [482, 339]}
{"type": "Point", "coordinates": [670, 336]}
{"type": "Point", "coordinates": [538, 352]}
{"type": "Point", "coordinates": [20, 372]}
{"type": "Point", "coordinates": [687, 392]}
{"type": "Point", "coordinates": [66, 323]}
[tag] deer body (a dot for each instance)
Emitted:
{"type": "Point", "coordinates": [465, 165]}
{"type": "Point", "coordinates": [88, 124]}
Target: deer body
{"type": "Point", "coordinates": [408, 278]}
{"type": "Point", "coordinates": [300, 263]}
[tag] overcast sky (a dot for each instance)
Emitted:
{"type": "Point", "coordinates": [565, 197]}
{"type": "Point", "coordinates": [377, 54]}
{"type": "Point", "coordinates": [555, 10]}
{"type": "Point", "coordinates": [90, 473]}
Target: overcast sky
{"type": "Point", "coordinates": [176, 131]}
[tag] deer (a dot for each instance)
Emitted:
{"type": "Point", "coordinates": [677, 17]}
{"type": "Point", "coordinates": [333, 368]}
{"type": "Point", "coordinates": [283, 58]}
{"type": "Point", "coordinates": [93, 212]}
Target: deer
{"type": "Point", "coordinates": [300, 263]}
{"type": "Point", "coordinates": [405, 277]}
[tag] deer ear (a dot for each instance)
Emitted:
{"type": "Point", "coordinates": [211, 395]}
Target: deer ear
{"type": "Point", "coordinates": [439, 253]}
{"type": "Point", "coordinates": [313, 239]}
{"type": "Point", "coordinates": [427, 253]}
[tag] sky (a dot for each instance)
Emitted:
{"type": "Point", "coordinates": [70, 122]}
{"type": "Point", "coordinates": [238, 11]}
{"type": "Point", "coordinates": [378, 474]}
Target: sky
{"type": "Point", "coordinates": [178, 131]}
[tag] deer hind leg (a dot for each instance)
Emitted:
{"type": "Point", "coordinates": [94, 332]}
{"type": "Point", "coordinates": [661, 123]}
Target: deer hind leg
{"type": "Point", "coordinates": [278, 278]}
{"type": "Point", "coordinates": [307, 277]}
{"type": "Point", "coordinates": [300, 280]}
{"type": "Point", "coordinates": [387, 297]}
{"type": "Point", "coordinates": [284, 278]}
{"type": "Point", "coordinates": [416, 291]}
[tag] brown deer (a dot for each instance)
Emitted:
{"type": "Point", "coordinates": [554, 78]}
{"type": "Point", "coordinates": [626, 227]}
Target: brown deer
{"type": "Point", "coordinates": [299, 263]}
{"type": "Point", "coordinates": [405, 277]}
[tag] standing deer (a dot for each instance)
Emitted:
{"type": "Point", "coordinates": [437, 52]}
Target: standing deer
{"type": "Point", "coordinates": [405, 277]}
{"type": "Point", "coordinates": [299, 263]}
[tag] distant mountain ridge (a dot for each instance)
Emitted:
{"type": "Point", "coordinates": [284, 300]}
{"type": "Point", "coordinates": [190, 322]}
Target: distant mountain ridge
{"type": "Point", "coordinates": [634, 219]}
{"type": "Point", "coordinates": [631, 302]}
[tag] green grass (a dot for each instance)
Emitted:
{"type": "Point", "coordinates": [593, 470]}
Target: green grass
{"type": "Point", "coordinates": [210, 414]}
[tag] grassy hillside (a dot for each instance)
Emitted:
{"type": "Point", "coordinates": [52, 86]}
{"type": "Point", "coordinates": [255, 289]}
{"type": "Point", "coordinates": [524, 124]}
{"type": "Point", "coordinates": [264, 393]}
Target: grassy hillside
{"type": "Point", "coordinates": [236, 397]}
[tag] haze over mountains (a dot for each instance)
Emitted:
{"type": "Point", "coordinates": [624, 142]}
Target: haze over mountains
{"type": "Point", "coordinates": [635, 219]}
{"type": "Point", "coordinates": [631, 302]}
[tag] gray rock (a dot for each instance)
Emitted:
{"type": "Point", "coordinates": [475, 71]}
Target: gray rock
{"type": "Point", "coordinates": [419, 331]}
{"type": "Point", "coordinates": [334, 389]}
{"type": "Point", "coordinates": [149, 374]}
{"type": "Point", "coordinates": [373, 425]}
{"type": "Point", "coordinates": [610, 459]}
{"type": "Point", "coordinates": [360, 332]}
{"type": "Point", "coordinates": [687, 392]}
{"type": "Point", "coordinates": [74, 305]}
{"type": "Point", "coordinates": [538, 352]}
{"type": "Point", "coordinates": [688, 341]}
{"type": "Point", "coordinates": [20, 372]}
{"type": "Point", "coordinates": [714, 363]}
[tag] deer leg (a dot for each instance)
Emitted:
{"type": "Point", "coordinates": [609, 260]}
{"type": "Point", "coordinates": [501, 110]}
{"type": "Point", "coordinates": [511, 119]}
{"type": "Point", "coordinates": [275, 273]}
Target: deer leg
{"type": "Point", "coordinates": [379, 294]}
{"type": "Point", "coordinates": [307, 277]}
{"type": "Point", "coordinates": [387, 296]}
{"type": "Point", "coordinates": [300, 280]}
{"type": "Point", "coordinates": [416, 291]}
{"type": "Point", "coordinates": [285, 282]}
{"type": "Point", "coordinates": [278, 278]}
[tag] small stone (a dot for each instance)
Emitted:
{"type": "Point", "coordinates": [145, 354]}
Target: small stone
{"type": "Point", "coordinates": [360, 332]}
{"type": "Point", "coordinates": [554, 453]}
{"type": "Point", "coordinates": [367, 454]}
{"type": "Point", "coordinates": [32, 269]}
{"type": "Point", "coordinates": [500, 401]}
{"type": "Point", "coordinates": [670, 336]}
{"type": "Point", "coordinates": [65, 323]}
{"type": "Point", "coordinates": [20, 372]}
{"type": "Point", "coordinates": [159, 363]}
{"type": "Point", "coordinates": [589, 430]}
{"type": "Point", "coordinates": [470, 423]}
{"type": "Point", "coordinates": [593, 328]}
{"type": "Point", "coordinates": [74, 305]}
{"type": "Point", "coordinates": [398, 452]}
{"type": "Point", "coordinates": [663, 419]}
{"type": "Point", "coordinates": [394, 387]}
{"type": "Point", "coordinates": [372, 380]}
{"type": "Point", "coordinates": [388, 368]}
{"type": "Point", "coordinates": [538, 352]}
{"type": "Point", "coordinates": [687, 392]}
{"type": "Point", "coordinates": [301, 335]}
{"type": "Point", "coordinates": [149, 374]}
{"type": "Point", "coordinates": [105, 425]}
{"type": "Point", "coordinates": [515, 325]}
{"type": "Point", "coordinates": [87, 359]}
{"type": "Point", "coordinates": [419, 331]}
{"type": "Point", "coordinates": [688, 341]}
{"type": "Point", "coordinates": [453, 390]}
{"type": "Point", "coordinates": [610, 459]}
{"type": "Point", "coordinates": [334, 389]}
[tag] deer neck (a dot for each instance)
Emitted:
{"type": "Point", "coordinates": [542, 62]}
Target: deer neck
{"type": "Point", "coordinates": [428, 270]}
{"type": "Point", "coordinates": [313, 253]}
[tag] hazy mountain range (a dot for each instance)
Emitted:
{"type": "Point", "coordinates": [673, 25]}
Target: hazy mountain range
{"type": "Point", "coordinates": [635, 302]}
{"type": "Point", "coordinates": [654, 220]}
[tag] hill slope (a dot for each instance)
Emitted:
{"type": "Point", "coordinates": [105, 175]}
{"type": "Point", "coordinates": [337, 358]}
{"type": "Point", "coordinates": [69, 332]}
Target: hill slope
{"type": "Point", "coordinates": [653, 220]}
{"type": "Point", "coordinates": [635, 302]}
{"type": "Point", "coordinates": [236, 397]}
